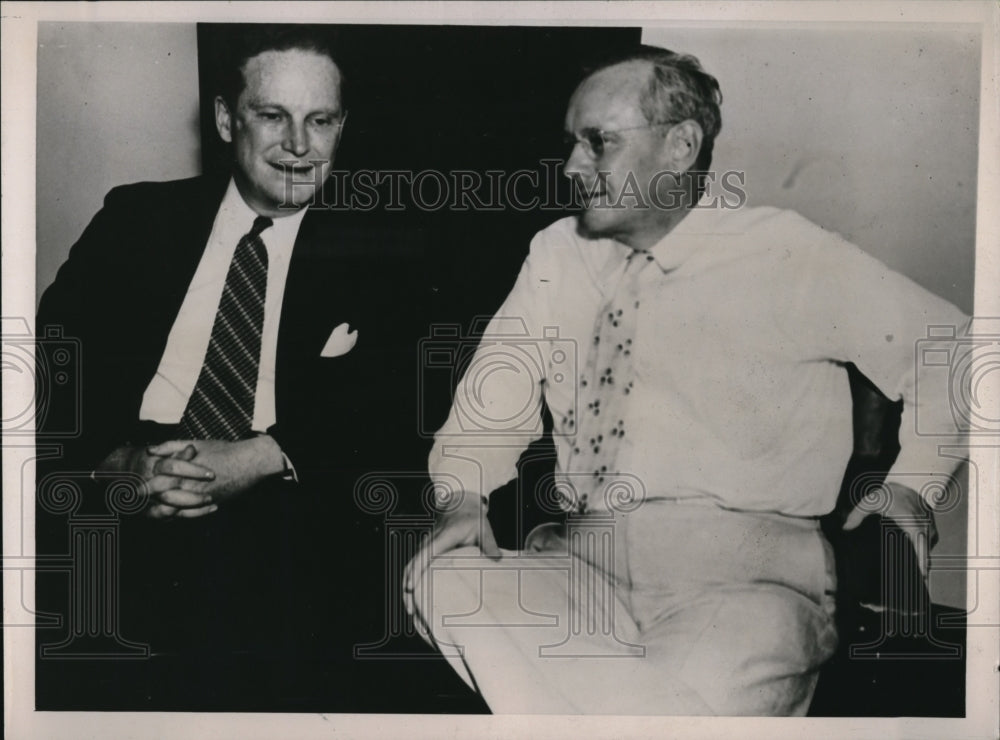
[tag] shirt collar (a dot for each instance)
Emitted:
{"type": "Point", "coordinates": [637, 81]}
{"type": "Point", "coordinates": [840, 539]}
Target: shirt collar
{"type": "Point", "coordinates": [281, 234]}
{"type": "Point", "coordinates": [687, 237]}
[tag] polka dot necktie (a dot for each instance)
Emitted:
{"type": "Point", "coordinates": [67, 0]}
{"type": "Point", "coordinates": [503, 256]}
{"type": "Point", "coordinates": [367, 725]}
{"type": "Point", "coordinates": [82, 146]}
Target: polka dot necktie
{"type": "Point", "coordinates": [222, 403]}
{"type": "Point", "coordinates": [604, 387]}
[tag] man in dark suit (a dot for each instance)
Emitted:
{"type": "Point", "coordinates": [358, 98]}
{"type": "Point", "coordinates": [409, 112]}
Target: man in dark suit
{"type": "Point", "coordinates": [240, 359]}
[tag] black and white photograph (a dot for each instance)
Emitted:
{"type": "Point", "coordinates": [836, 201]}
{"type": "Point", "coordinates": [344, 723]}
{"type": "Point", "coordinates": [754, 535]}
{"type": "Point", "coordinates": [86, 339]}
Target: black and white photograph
{"type": "Point", "coordinates": [471, 368]}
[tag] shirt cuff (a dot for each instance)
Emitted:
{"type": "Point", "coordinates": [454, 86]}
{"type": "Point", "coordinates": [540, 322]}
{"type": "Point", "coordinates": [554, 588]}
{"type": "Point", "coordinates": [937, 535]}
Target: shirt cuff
{"type": "Point", "coordinates": [289, 473]}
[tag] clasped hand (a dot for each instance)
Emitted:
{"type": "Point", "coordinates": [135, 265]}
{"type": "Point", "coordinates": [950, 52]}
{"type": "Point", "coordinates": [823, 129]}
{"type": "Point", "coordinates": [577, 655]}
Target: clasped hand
{"type": "Point", "coordinates": [185, 479]}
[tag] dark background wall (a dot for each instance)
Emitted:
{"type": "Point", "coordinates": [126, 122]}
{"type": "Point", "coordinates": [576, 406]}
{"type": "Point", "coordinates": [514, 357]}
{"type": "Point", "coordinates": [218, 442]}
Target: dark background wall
{"type": "Point", "coordinates": [448, 98]}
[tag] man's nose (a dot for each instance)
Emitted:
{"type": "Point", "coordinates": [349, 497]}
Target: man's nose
{"type": "Point", "coordinates": [579, 164]}
{"type": "Point", "coordinates": [296, 139]}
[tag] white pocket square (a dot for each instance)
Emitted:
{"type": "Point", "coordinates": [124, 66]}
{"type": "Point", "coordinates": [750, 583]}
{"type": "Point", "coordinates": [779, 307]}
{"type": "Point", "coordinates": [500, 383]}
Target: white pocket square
{"type": "Point", "coordinates": [341, 341]}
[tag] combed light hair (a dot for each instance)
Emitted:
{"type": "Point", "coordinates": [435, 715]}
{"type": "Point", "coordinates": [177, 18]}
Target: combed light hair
{"type": "Point", "coordinates": [679, 89]}
{"type": "Point", "coordinates": [244, 42]}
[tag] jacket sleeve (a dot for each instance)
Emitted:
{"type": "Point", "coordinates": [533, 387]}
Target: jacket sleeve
{"type": "Point", "coordinates": [85, 403]}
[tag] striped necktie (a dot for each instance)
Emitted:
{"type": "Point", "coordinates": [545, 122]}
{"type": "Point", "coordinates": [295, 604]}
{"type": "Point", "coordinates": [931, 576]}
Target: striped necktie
{"type": "Point", "coordinates": [222, 402]}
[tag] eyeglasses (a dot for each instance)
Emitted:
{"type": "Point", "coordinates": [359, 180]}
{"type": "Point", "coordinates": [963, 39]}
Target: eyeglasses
{"type": "Point", "coordinates": [595, 140]}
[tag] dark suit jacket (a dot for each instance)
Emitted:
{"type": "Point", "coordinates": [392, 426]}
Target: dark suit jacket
{"type": "Point", "coordinates": [337, 418]}
{"type": "Point", "coordinates": [122, 286]}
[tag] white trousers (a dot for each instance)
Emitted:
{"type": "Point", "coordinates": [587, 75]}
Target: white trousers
{"type": "Point", "coordinates": [673, 609]}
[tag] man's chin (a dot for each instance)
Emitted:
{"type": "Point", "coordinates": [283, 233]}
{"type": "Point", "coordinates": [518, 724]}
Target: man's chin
{"type": "Point", "coordinates": [593, 224]}
{"type": "Point", "coordinates": [299, 197]}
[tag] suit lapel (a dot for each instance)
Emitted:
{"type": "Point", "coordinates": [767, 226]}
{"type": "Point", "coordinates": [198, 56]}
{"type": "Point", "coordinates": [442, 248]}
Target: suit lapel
{"type": "Point", "coordinates": [177, 240]}
{"type": "Point", "coordinates": [194, 229]}
{"type": "Point", "coordinates": [315, 299]}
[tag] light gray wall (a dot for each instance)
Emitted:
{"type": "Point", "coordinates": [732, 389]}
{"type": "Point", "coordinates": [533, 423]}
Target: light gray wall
{"type": "Point", "coordinates": [117, 103]}
{"type": "Point", "coordinates": [870, 132]}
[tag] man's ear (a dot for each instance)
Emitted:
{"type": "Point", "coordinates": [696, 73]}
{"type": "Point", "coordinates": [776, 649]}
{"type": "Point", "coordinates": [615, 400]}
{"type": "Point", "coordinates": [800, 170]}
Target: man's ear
{"type": "Point", "coordinates": [683, 143]}
{"type": "Point", "coordinates": [223, 120]}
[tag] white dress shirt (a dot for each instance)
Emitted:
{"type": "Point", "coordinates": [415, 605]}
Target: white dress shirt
{"type": "Point", "coordinates": [167, 394]}
{"type": "Point", "coordinates": [739, 395]}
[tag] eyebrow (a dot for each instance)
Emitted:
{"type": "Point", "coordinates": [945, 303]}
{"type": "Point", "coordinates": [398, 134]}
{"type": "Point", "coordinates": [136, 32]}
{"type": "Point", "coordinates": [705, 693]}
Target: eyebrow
{"type": "Point", "coordinates": [588, 131]}
{"type": "Point", "coordinates": [256, 105]}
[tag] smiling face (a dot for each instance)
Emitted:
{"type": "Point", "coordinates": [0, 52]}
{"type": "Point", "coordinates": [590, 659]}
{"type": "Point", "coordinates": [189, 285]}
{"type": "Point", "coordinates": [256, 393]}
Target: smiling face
{"type": "Point", "coordinates": [621, 175]}
{"type": "Point", "coordinates": [285, 129]}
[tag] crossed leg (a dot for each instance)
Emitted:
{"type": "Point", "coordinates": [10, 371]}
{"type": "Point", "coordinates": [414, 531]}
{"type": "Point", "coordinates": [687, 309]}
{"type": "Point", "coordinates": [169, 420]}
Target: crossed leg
{"type": "Point", "coordinates": [543, 634]}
